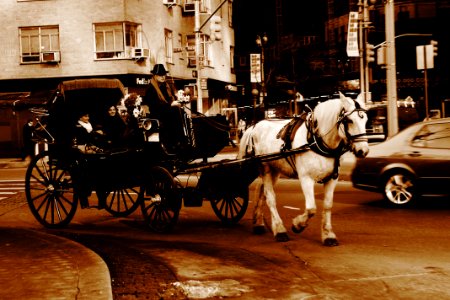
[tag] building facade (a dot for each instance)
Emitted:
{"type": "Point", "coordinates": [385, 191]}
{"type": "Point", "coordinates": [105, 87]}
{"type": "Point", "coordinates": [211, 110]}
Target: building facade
{"type": "Point", "coordinates": [416, 23]}
{"type": "Point", "coordinates": [47, 41]}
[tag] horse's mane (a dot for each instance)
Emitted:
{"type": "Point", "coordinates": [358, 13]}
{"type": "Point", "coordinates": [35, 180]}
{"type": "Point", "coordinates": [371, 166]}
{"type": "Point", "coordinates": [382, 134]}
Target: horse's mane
{"type": "Point", "coordinates": [326, 114]}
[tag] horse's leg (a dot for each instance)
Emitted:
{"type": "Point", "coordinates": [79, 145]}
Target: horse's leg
{"type": "Point", "coordinates": [328, 236]}
{"type": "Point", "coordinates": [269, 180]}
{"type": "Point", "coordinates": [258, 216]}
{"type": "Point", "coordinates": [300, 222]}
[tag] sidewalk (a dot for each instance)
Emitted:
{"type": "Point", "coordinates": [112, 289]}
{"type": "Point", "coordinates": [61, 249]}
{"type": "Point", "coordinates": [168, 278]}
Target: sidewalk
{"type": "Point", "coordinates": [36, 265]}
{"type": "Point", "coordinates": [13, 162]}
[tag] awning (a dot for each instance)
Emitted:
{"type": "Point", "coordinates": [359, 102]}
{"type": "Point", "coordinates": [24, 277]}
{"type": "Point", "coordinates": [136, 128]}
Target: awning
{"type": "Point", "coordinates": [92, 83]}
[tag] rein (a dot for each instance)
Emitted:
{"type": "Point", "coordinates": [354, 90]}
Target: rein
{"type": "Point", "coordinates": [317, 144]}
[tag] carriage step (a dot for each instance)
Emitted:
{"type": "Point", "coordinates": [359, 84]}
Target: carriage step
{"type": "Point", "coordinates": [94, 207]}
{"type": "Point", "coordinates": [192, 197]}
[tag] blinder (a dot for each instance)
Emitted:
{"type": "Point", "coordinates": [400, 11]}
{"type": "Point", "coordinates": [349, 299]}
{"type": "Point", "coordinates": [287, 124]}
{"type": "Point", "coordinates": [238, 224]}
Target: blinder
{"type": "Point", "coordinates": [343, 119]}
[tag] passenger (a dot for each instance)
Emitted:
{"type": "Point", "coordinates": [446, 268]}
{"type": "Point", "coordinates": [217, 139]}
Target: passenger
{"type": "Point", "coordinates": [85, 138]}
{"type": "Point", "coordinates": [163, 106]}
{"type": "Point", "coordinates": [113, 127]}
{"type": "Point", "coordinates": [133, 134]}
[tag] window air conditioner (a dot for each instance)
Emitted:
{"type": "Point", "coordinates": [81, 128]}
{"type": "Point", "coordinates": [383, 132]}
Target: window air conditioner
{"type": "Point", "coordinates": [139, 53]}
{"type": "Point", "coordinates": [51, 57]}
{"type": "Point", "coordinates": [170, 3]}
{"type": "Point", "coordinates": [192, 63]}
{"type": "Point", "coordinates": [189, 7]}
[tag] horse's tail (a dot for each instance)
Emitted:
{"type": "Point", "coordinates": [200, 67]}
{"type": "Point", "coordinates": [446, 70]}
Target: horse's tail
{"type": "Point", "coordinates": [246, 143]}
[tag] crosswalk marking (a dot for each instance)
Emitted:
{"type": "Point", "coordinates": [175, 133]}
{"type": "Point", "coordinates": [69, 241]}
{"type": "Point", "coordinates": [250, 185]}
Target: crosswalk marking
{"type": "Point", "coordinates": [9, 188]}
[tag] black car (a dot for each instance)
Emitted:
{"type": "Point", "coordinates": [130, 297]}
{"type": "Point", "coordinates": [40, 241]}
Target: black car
{"type": "Point", "coordinates": [411, 164]}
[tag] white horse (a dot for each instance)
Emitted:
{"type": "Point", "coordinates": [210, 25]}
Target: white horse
{"type": "Point", "coordinates": [332, 128]}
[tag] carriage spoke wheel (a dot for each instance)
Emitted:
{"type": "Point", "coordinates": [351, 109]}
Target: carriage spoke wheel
{"type": "Point", "coordinates": [121, 202]}
{"type": "Point", "coordinates": [49, 191]}
{"type": "Point", "coordinates": [230, 208]}
{"type": "Point", "coordinates": [160, 202]}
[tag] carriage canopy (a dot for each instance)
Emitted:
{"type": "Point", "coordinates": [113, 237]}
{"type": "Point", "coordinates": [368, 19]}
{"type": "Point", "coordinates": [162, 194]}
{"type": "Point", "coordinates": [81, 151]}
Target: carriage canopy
{"type": "Point", "coordinates": [74, 97]}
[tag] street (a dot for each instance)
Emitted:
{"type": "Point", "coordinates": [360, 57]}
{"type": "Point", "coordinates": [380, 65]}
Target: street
{"type": "Point", "coordinates": [383, 253]}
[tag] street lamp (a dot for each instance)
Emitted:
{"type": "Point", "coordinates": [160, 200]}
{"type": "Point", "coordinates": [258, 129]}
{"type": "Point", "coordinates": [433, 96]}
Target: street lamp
{"type": "Point", "coordinates": [255, 94]}
{"type": "Point", "coordinates": [262, 42]}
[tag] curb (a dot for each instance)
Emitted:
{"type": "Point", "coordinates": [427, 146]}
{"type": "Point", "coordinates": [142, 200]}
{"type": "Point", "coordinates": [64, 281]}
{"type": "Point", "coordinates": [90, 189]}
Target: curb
{"type": "Point", "coordinates": [49, 267]}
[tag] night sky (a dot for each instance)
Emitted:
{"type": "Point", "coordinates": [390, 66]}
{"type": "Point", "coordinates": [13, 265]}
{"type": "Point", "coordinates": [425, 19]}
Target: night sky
{"type": "Point", "coordinates": [299, 17]}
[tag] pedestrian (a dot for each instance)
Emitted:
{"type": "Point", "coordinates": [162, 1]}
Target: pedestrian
{"type": "Point", "coordinates": [163, 105]}
{"type": "Point", "coordinates": [28, 143]}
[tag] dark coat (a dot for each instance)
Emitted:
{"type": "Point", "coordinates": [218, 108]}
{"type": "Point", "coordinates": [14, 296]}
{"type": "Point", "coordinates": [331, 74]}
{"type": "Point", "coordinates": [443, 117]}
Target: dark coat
{"type": "Point", "coordinates": [114, 129]}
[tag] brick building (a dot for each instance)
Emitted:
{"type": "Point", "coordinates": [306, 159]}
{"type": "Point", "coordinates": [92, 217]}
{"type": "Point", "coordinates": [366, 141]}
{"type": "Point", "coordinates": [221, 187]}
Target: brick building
{"type": "Point", "coordinates": [47, 41]}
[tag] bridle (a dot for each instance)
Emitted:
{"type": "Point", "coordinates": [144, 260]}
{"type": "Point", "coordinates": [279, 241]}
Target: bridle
{"type": "Point", "coordinates": [317, 144]}
{"type": "Point", "coordinates": [344, 118]}
{"type": "Point", "coordinates": [316, 141]}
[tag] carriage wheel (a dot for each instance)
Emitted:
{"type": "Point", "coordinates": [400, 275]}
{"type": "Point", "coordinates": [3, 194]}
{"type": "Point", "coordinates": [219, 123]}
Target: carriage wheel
{"type": "Point", "coordinates": [121, 202]}
{"type": "Point", "coordinates": [49, 191]}
{"type": "Point", "coordinates": [160, 202]}
{"type": "Point", "coordinates": [230, 208]}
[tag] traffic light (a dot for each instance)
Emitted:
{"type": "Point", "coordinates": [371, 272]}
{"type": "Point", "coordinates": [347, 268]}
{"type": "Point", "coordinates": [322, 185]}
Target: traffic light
{"type": "Point", "coordinates": [215, 27]}
{"type": "Point", "coordinates": [370, 53]}
{"type": "Point", "coordinates": [435, 47]}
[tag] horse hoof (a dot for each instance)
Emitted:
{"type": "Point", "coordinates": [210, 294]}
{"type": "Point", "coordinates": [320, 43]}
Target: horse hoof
{"type": "Point", "coordinates": [330, 242]}
{"type": "Point", "coordinates": [282, 237]}
{"type": "Point", "coordinates": [259, 230]}
{"type": "Point", "coordinates": [298, 230]}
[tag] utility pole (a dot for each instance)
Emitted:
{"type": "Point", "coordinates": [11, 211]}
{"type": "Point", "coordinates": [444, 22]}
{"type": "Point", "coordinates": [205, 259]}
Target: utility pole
{"type": "Point", "coordinates": [391, 70]}
{"type": "Point", "coordinates": [362, 40]}
{"type": "Point", "coordinates": [198, 47]}
{"type": "Point", "coordinates": [197, 56]}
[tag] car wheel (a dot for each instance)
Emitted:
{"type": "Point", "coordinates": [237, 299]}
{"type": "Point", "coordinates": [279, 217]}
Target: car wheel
{"type": "Point", "coordinates": [400, 188]}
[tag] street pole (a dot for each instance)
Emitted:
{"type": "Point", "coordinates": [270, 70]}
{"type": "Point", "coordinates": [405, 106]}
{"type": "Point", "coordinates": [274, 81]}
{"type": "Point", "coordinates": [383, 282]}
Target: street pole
{"type": "Point", "coordinates": [263, 80]}
{"type": "Point", "coordinates": [197, 56]}
{"type": "Point", "coordinates": [261, 41]}
{"type": "Point", "coordinates": [425, 78]}
{"type": "Point", "coordinates": [391, 76]}
{"type": "Point", "coordinates": [362, 84]}
{"type": "Point", "coordinates": [367, 96]}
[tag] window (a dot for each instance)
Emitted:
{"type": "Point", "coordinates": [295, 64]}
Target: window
{"type": "Point", "coordinates": [232, 59]}
{"type": "Point", "coordinates": [116, 40]}
{"type": "Point", "coordinates": [168, 40]}
{"type": "Point", "coordinates": [433, 136]}
{"type": "Point", "coordinates": [37, 43]}
{"type": "Point", "coordinates": [204, 5]}
{"type": "Point", "coordinates": [204, 54]}
{"type": "Point", "coordinates": [230, 13]}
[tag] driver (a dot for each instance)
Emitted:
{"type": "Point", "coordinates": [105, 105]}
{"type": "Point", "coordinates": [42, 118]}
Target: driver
{"type": "Point", "coordinates": [161, 101]}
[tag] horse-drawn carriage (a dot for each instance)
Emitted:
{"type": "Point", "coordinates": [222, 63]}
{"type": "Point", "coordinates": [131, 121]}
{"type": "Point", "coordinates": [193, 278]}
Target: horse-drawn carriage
{"type": "Point", "coordinates": [138, 173]}
{"type": "Point", "coordinates": [144, 174]}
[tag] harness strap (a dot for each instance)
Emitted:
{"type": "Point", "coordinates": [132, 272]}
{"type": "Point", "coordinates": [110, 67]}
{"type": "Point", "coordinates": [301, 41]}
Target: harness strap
{"type": "Point", "coordinates": [287, 133]}
{"type": "Point", "coordinates": [335, 173]}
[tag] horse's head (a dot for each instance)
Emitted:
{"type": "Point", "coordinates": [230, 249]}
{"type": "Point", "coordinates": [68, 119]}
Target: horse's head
{"type": "Point", "coordinates": [353, 121]}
